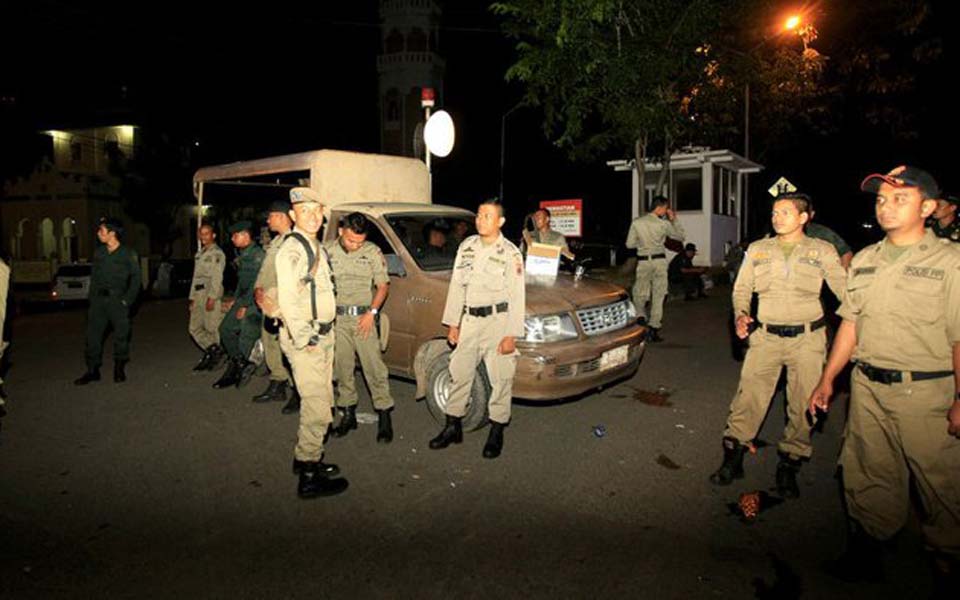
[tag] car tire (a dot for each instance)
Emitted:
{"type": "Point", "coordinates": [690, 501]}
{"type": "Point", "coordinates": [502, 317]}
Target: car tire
{"type": "Point", "coordinates": [438, 392]}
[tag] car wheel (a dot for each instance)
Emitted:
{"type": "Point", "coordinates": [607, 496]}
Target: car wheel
{"type": "Point", "coordinates": [438, 393]}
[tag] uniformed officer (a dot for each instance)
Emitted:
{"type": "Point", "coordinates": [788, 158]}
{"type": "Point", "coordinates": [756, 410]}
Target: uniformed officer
{"type": "Point", "coordinates": [241, 325]}
{"type": "Point", "coordinates": [901, 325]}
{"type": "Point", "coordinates": [114, 285]}
{"type": "Point", "coordinates": [542, 234]}
{"type": "Point", "coordinates": [944, 221]}
{"type": "Point", "coordinates": [358, 266]}
{"type": "Point", "coordinates": [822, 232]}
{"type": "Point", "coordinates": [647, 235]}
{"type": "Point", "coordinates": [265, 295]}
{"type": "Point", "coordinates": [206, 293]}
{"type": "Point", "coordinates": [786, 272]}
{"type": "Point", "coordinates": [308, 308]}
{"type": "Point", "coordinates": [485, 308]}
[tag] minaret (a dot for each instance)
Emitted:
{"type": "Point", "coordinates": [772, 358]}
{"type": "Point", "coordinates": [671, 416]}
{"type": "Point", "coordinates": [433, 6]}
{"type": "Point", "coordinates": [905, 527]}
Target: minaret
{"type": "Point", "coordinates": [408, 62]}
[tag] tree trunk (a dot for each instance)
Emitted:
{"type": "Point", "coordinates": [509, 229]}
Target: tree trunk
{"type": "Point", "coordinates": [639, 162]}
{"type": "Point", "coordinates": [665, 162]}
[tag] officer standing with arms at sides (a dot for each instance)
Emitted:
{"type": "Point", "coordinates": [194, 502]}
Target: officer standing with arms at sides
{"type": "Point", "coordinates": [358, 266]}
{"type": "Point", "coordinates": [206, 292]}
{"type": "Point", "coordinates": [901, 326]}
{"type": "Point", "coordinates": [822, 232]}
{"type": "Point", "coordinates": [308, 308]}
{"type": "Point", "coordinates": [786, 272]}
{"type": "Point", "coordinates": [114, 285]}
{"type": "Point", "coordinates": [647, 234]}
{"type": "Point", "coordinates": [485, 307]}
{"type": "Point", "coordinates": [542, 234]}
{"type": "Point", "coordinates": [265, 295]}
{"type": "Point", "coordinates": [241, 325]}
{"type": "Point", "coordinates": [944, 221]}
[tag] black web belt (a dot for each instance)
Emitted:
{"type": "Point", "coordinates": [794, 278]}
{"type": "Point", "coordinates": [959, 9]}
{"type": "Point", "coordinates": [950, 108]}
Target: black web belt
{"type": "Point", "coordinates": [651, 257]}
{"type": "Point", "coordinates": [353, 311]}
{"type": "Point", "coordinates": [792, 330]}
{"type": "Point", "coordinates": [486, 311]}
{"type": "Point", "coordinates": [889, 376]}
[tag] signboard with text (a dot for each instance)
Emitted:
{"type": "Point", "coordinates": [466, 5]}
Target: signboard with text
{"type": "Point", "coordinates": [566, 216]}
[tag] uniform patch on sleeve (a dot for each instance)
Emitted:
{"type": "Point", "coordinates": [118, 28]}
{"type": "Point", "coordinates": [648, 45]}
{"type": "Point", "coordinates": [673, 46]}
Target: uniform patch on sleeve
{"type": "Point", "coordinates": [519, 265]}
{"type": "Point", "coordinates": [864, 271]}
{"type": "Point", "coordinates": [925, 272]}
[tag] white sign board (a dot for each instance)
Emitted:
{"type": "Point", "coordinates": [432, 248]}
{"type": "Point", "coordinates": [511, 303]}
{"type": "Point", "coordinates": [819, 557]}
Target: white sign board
{"type": "Point", "coordinates": [543, 259]}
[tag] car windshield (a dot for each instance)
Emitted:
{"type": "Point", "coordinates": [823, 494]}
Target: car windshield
{"type": "Point", "coordinates": [73, 271]}
{"type": "Point", "coordinates": [432, 239]}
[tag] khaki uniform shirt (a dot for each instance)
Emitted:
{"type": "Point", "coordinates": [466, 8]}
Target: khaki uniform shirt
{"type": "Point", "coordinates": [788, 288]}
{"type": "Point", "coordinates": [356, 272]}
{"type": "Point", "coordinates": [907, 312]}
{"type": "Point", "coordinates": [267, 277]}
{"type": "Point", "coordinates": [293, 293]}
{"type": "Point", "coordinates": [485, 276]}
{"type": "Point", "coordinates": [208, 267]}
{"type": "Point", "coordinates": [648, 233]}
{"type": "Point", "coordinates": [554, 238]}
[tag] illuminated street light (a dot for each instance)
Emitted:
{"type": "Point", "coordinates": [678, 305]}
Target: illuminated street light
{"type": "Point", "coordinates": [792, 23]}
{"type": "Point", "coordinates": [438, 134]}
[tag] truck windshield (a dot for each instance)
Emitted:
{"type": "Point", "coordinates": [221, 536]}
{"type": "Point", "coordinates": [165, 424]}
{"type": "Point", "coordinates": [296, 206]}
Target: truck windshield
{"type": "Point", "coordinates": [432, 239]}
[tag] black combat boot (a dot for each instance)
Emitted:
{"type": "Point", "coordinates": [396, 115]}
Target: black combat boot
{"type": "Point", "coordinates": [452, 433]}
{"type": "Point", "coordinates": [230, 376]}
{"type": "Point", "coordinates": [119, 374]}
{"type": "Point", "coordinates": [732, 467]}
{"type": "Point", "coordinates": [326, 469]}
{"type": "Point", "coordinates": [245, 372]}
{"type": "Point", "coordinates": [347, 422]}
{"type": "Point", "coordinates": [204, 363]}
{"type": "Point", "coordinates": [293, 404]}
{"type": "Point", "coordinates": [653, 335]}
{"type": "Point", "coordinates": [861, 561]}
{"type": "Point", "coordinates": [276, 390]}
{"type": "Point", "coordinates": [217, 354]}
{"type": "Point", "coordinates": [787, 470]}
{"type": "Point", "coordinates": [313, 483]}
{"type": "Point", "coordinates": [494, 444]}
{"type": "Point", "coordinates": [91, 375]}
{"type": "Point", "coordinates": [384, 426]}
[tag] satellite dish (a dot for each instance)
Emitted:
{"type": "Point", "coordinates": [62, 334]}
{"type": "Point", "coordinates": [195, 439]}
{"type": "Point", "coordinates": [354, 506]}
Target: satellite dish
{"type": "Point", "coordinates": [438, 134]}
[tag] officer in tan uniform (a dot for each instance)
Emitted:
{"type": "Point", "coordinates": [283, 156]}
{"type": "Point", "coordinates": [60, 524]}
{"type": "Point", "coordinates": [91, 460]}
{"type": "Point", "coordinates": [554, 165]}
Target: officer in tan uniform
{"type": "Point", "coordinates": [307, 310]}
{"type": "Point", "coordinates": [786, 272]}
{"type": "Point", "coordinates": [485, 308]}
{"type": "Point", "coordinates": [901, 326]}
{"type": "Point", "coordinates": [206, 292]}
{"type": "Point", "coordinates": [647, 235]}
{"type": "Point", "coordinates": [358, 266]}
{"type": "Point", "coordinates": [543, 234]}
{"type": "Point", "coordinates": [265, 295]}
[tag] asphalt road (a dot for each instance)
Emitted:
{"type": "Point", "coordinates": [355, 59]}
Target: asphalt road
{"type": "Point", "coordinates": [164, 487]}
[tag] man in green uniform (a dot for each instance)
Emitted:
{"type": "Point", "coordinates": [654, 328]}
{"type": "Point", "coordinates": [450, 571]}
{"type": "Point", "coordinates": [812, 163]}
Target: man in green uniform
{"type": "Point", "coordinates": [241, 326]}
{"type": "Point", "coordinates": [542, 234]}
{"type": "Point", "coordinates": [206, 293]}
{"type": "Point", "coordinates": [944, 221]}
{"type": "Point", "coordinates": [265, 294]}
{"type": "Point", "coordinates": [822, 232]}
{"type": "Point", "coordinates": [647, 235]}
{"type": "Point", "coordinates": [358, 266]}
{"type": "Point", "coordinates": [308, 308]}
{"type": "Point", "coordinates": [486, 302]}
{"type": "Point", "coordinates": [786, 272]}
{"type": "Point", "coordinates": [901, 326]}
{"type": "Point", "coordinates": [114, 285]}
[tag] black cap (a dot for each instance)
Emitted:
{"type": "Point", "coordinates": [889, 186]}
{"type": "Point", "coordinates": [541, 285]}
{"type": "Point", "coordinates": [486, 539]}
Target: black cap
{"type": "Point", "coordinates": [903, 177]}
{"type": "Point", "coordinates": [280, 206]}
{"type": "Point", "coordinates": [241, 226]}
{"type": "Point", "coordinates": [690, 246]}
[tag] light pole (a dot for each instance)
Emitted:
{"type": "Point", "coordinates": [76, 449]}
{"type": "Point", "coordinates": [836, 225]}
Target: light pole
{"type": "Point", "coordinates": [503, 138]}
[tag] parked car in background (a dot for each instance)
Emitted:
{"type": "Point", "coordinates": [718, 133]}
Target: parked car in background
{"type": "Point", "coordinates": [71, 283]}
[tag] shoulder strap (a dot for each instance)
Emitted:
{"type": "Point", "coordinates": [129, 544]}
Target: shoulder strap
{"type": "Point", "coordinates": [311, 268]}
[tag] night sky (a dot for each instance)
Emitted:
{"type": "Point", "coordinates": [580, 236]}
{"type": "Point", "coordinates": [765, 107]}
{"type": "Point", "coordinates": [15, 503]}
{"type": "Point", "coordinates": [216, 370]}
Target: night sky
{"type": "Point", "coordinates": [288, 77]}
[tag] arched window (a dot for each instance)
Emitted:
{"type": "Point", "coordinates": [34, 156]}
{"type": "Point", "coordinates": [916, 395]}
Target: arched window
{"type": "Point", "coordinates": [394, 42]}
{"type": "Point", "coordinates": [391, 106]}
{"type": "Point", "coordinates": [48, 241]}
{"type": "Point", "coordinates": [69, 242]}
{"type": "Point", "coordinates": [417, 41]}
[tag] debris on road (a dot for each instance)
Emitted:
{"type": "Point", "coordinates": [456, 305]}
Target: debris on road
{"type": "Point", "coordinates": [751, 504]}
{"type": "Point", "coordinates": [664, 461]}
{"type": "Point", "coordinates": [599, 431]}
{"type": "Point", "coordinates": [653, 398]}
{"type": "Point", "coordinates": [366, 418]}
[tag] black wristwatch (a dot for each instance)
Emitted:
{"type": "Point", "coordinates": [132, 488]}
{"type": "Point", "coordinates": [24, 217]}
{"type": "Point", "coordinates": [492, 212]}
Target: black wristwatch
{"type": "Point", "coordinates": [314, 340]}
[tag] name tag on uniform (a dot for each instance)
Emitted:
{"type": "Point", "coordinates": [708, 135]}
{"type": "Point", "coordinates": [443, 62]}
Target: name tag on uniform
{"type": "Point", "coordinates": [864, 271]}
{"type": "Point", "coordinates": [925, 272]}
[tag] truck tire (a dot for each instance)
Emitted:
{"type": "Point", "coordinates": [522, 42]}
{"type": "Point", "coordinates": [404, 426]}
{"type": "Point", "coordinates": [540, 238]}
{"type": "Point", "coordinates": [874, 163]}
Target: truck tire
{"type": "Point", "coordinates": [438, 392]}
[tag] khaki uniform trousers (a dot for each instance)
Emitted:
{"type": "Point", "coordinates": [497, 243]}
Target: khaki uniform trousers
{"type": "Point", "coordinates": [479, 338]}
{"type": "Point", "coordinates": [349, 346]}
{"type": "Point", "coordinates": [312, 374]}
{"type": "Point", "coordinates": [895, 431]}
{"type": "Point", "coordinates": [205, 324]}
{"type": "Point", "coordinates": [273, 355]}
{"type": "Point", "coordinates": [651, 284]}
{"type": "Point", "coordinates": [804, 356]}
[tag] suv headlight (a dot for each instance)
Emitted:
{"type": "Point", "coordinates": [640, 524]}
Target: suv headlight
{"type": "Point", "coordinates": [549, 328]}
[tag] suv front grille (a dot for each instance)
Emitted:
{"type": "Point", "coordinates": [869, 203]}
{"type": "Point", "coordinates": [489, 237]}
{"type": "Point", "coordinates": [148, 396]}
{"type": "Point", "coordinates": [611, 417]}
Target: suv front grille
{"type": "Point", "coordinates": [602, 319]}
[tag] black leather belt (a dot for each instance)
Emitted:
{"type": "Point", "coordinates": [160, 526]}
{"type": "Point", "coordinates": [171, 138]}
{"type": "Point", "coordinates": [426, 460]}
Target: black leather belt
{"type": "Point", "coordinates": [792, 330]}
{"type": "Point", "coordinates": [353, 311]}
{"type": "Point", "coordinates": [889, 376]}
{"type": "Point", "coordinates": [486, 311]}
{"type": "Point", "coordinates": [651, 257]}
{"type": "Point", "coordinates": [199, 286]}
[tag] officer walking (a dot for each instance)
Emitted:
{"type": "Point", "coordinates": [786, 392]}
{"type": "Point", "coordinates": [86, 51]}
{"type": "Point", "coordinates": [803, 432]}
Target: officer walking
{"type": "Point", "coordinates": [241, 325]}
{"type": "Point", "coordinates": [786, 272]}
{"type": "Point", "coordinates": [485, 307]}
{"type": "Point", "coordinates": [308, 308]}
{"type": "Point", "coordinates": [901, 326]}
{"type": "Point", "coordinates": [944, 221]}
{"type": "Point", "coordinates": [358, 266]}
{"type": "Point", "coordinates": [114, 285]}
{"type": "Point", "coordinates": [206, 292]}
{"type": "Point", "coordinates": [265, 295]}
{"type": "Point", "coordinates": [647, 235]}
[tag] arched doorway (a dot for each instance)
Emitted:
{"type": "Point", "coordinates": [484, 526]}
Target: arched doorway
{"type": "Point", "coordinates": [69, 242]}
{"type": "Point", "coordinates": [47, 242]}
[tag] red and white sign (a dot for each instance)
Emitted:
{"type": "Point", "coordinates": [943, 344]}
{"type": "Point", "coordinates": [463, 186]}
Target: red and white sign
{"type": "Point", "coordinates": [566, 216]}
